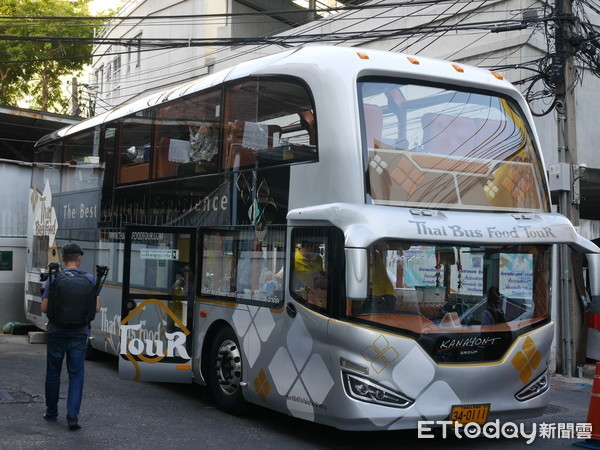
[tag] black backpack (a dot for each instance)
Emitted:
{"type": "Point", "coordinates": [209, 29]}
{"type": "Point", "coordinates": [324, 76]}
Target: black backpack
{"type": "Point", "coordinates": [72, 299]}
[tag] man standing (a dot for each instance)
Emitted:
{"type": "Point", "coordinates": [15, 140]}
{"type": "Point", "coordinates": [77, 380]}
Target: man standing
{"type": "Point", "coordinates": [64, 296]}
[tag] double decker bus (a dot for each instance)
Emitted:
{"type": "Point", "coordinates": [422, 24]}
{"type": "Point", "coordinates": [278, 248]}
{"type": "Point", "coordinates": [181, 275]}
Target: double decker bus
{"type": "Point", "coordinates": [352, 237]}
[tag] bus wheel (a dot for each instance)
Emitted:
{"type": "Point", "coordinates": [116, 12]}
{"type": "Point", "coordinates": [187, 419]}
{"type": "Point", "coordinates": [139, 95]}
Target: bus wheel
{"type": "Point", "coordinates": [225, 372]}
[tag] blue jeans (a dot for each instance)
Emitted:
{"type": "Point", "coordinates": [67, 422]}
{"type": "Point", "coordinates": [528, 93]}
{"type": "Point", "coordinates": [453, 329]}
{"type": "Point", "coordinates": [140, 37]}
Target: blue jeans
{"type": "Point", "coordinates": [74, 345]}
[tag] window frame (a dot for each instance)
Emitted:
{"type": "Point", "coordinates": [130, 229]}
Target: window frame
{"type": "Point", "coordinates": [235, 296]}
{"type": "Point", "coordinates": [335, 260]}
{"type": "Point", "coordinates": [273, 157]}
{"type": "Point", "coordinates": [541, 190]}
{"type": "Point", "coordinates": [266, 158]}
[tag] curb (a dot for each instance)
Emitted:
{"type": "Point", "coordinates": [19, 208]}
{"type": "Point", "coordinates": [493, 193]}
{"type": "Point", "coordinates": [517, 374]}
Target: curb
{"type": "Point", "coordinates": [36, 337]}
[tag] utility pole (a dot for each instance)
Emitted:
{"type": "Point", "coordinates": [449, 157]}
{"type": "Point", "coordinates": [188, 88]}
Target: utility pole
{"type": "Point", "coordinates": [74, 97]}
{"type": "Point", "coordinates": [563, 73]}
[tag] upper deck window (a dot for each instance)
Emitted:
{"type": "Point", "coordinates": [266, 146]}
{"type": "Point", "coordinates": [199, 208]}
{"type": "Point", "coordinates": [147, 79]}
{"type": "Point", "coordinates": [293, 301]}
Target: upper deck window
{"type": "Point", "coordinates": [436, 147]}
{"type": "Point", "coordinates": [248, 124]}
{"type": "Point", "coordinates": [268, 122]}
{"type": "Point", "coordinates": [135, 147]}
{"type": "Point", "coordinates": [188, 133]}
{"type": "Point", "coordinates": [81, 169]}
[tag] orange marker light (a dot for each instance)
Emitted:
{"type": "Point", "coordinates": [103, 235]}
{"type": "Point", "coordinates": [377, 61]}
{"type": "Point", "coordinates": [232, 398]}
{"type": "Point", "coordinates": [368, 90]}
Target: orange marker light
{"type": "Point", "coordinates": [203, 314]}
{"type": "Point", "coordinates": [497, 75]}
{"type": "Point", "coordinates": [412, 60]}
{"type": "Point", "coordinates": [362, 55]}
{"type": "Point", "coordinates": [458, 68]}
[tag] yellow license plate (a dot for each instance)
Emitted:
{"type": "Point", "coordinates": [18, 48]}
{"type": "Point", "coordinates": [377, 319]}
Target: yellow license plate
{"type": "Point", "coordinates": [470, 413]}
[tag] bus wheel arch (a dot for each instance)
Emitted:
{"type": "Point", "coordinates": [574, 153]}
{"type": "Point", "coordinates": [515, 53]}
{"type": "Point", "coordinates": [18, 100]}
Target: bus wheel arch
{"type": "Point", "coordinates": [223, 369]}
{"type": "Point", "coordinates": [92, 354]}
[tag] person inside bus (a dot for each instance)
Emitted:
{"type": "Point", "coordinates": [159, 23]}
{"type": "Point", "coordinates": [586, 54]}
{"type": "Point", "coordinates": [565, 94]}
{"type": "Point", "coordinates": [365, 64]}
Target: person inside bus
{"type": "Point", "coordinates": [310, 280]}
{"type": "Point", "coordinates": [493, 312]}
{"type": "Point", "coordinates": [383, 295]}
{"type": "Point", "coordinates": [307, 122]}
{"type": "Point", "coordinates": [204, 142]}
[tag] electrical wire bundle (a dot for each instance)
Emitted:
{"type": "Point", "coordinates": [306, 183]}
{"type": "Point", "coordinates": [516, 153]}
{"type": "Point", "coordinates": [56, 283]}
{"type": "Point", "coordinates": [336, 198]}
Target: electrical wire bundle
{"type": "Point", "coordinates": [409, 26]}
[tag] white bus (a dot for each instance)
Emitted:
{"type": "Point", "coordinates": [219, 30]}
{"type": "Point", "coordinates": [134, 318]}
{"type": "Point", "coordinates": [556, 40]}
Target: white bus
{"type": "Point", "coordinates": [352, 237]}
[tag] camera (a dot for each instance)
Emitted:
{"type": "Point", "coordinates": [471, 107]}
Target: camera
{"type": "Point", "coordinates": [101, 273]}
{"type": "Point", "coordinates": [52, 267]}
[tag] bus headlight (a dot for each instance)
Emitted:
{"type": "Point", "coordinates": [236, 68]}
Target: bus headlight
{"type": "Point", "coordinates": [363, 389]}
{"type": "Point", "coordinates": [535, 388]}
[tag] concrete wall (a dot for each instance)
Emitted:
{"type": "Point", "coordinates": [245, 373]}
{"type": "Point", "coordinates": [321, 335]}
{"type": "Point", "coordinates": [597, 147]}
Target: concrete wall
{"type": "Point", "coordinates": [12, 282]}
{"type": "Point", "coordinates": [14, 198]}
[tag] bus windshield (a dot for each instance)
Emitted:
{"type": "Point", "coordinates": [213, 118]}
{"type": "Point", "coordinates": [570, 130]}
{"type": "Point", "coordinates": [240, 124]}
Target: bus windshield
{"type": "Point", "coordinates": [431, 146]}
{"type": "Point", "coordinates": [429, 290]}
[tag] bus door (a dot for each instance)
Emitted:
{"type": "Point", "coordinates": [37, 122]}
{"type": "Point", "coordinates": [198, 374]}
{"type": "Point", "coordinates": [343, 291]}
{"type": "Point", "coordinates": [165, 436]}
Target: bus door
{"type": "Point", "coordinates": [157, 304]}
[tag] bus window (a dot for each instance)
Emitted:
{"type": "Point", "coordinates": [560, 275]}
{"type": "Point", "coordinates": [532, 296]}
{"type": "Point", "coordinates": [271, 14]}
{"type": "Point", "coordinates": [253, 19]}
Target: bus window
{"type": "Point", "coordinates": [310, 267]}
{"type": "Point", "coordinates": [268, 122]}
{"type": "Point", "coordinates": [187, 137]}
{"type": "Point", "coordinates": [443, 148]}
{"type": "Point", "coordinates": [237, 266]}
{"type": "Point", "coordinates": [82, 162]}
{"type": "Point", "coordinates": [107, 158]}
{"type": "Point", "coordinates": [47, 168]}
{"type": "Point", "coordinates": [149, 273]}
{"type": "Point", "coordinates": [430, 290]}
{"type": "Point", "coordinates": [135, 148]}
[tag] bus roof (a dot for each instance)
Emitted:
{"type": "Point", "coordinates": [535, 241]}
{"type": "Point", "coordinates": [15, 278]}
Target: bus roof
{"type": "Point", "coordinates": [338, 61]}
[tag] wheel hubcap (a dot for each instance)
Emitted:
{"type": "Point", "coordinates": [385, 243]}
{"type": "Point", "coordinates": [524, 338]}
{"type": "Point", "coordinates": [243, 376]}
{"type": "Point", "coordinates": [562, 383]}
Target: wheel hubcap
{"type": "Point", "coordinates": [229, 367]}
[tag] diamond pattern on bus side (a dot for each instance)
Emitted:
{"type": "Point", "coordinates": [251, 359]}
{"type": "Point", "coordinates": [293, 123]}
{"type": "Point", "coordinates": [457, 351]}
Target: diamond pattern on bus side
{"type": "Point", "coordinates": [413, 373]}
{"type": "Point", "coordinates": [415, 377]}
{"type": "Point", "coordinates": [436, 400]}
{"type": "Point", "coordinates": [526, 360]}
{"type": "Point", "coordinates": [380, 354]}
{"type": "Point", "coordinates": [299, 374]}
{"type": "Point", "coordinates": [253, 325]}
{"type": "Point", "coordinates": [261, 385]}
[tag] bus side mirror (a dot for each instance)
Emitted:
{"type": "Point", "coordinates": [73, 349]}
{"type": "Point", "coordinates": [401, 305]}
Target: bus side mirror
{"type": "Point", "coordinates": [594, 277]}
{"type": "Point", "coordinates": [356, 273]}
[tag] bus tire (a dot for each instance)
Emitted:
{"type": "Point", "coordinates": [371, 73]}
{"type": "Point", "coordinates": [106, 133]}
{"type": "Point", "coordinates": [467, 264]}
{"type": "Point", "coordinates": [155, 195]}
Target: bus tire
{"type": "Point", "coordinates": [225, 372]}
{"type": "Point", "coordinates": [91, 354]}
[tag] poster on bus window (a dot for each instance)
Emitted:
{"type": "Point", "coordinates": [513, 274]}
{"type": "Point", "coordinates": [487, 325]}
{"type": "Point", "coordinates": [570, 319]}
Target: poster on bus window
{"type": "Point", "coordinates": [471, 273]}
{"type": "Point", "coordinates": [516, 275]}
{"type": "Point", "coordinates": [419, 270]}
{"type": "Point", "coordinates": [419, 267]}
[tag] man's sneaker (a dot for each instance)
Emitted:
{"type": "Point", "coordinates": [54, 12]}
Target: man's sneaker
{"type": "Point", "coordinates": [48, 418]}
{"type": "Point", "coordinates": [72, 424]}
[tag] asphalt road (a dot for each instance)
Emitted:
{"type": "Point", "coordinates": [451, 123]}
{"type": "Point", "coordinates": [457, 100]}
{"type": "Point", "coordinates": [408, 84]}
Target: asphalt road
{"type": "Point", "coordinates": [119, 414]}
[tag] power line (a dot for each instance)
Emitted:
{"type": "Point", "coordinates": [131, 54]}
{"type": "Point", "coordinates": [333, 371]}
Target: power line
{"type": "Point", "coordinates": [440, 15]}
{"type": "Point", "coordinates": [356, 35]}
{"type": "Point", "coordinates": [296, 39]}
{"type": "Point", "coordinates": [357, 29]}
{"type": "Point", "coordinates": [303, 11]}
